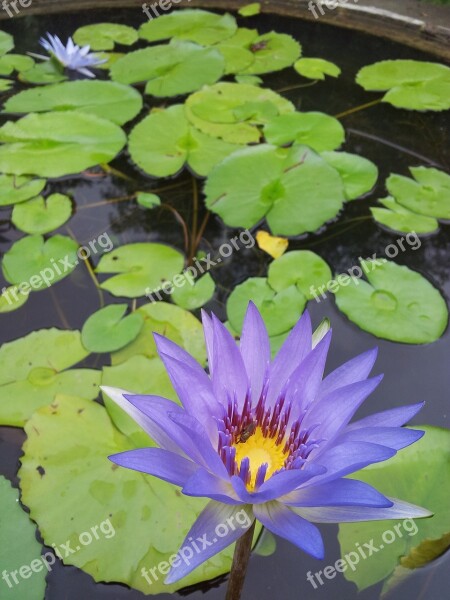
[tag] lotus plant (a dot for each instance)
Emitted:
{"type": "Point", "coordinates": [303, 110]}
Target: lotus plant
{"type": "Point", "coordinates": [70, 56]}
{"type": "Point", "coordinates": [270, 437]}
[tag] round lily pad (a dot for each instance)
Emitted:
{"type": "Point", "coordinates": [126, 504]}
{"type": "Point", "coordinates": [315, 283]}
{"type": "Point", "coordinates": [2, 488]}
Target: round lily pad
{"type": "Point", "coordinates": [41, 215]}
{"type": "Point", "coordinates": [113, 101]}
{"type": "Point", "coordinates": [194, 25]}
{"type": "Point", "coordinates": [15, 62]}
{"type": "Point", "coordinates": [165, 140]}
{"type": "Point", "coordinates": [43, 73]}
{"type": "Point", "coordinates": [397, 304]}
{"type": "Point", "coordinates": [108, 330]}
{"type": "Point", "coordinates": [40, 263]}
{"type": "Point", "coordinates": [194, 296]}
{"type": "Point", "coordinates": [104, 36]}
{"type": "Point", "coordinates": [359, 174]}
{"type": "Point", "coordinates": [398, 218]}
{"type": "Point", "coordinates": [19, 189]}
{"type": "Point", "coordinates": [236, 50]}
{"type": "Point", "coordinates": [11, 299]}
{"type": "Point", "coordinates": [295, 189]}
{"type": "Point", "coordinates": [316, 68]}
{"type": "Point", "coordinates": [250, 10]}
{"type": "Point", "coordinates": [170, 70]}
{"type": "Point", "coordinates": [280, 311]}
{"type": "Point", "coordinates": [148, 200]}
{"type": "Point", "coordinates": [317, 130]}
{"type": "Point", "coordinates": [5, 84]}
{"type": "Point", "coordinates": [6, 42]}
{"type": "Point", "coordinates": [302, 268]}
{"type": "Point", "coordinates": [58, 143]}
{"type": "Point", "coordinates": [273, 52]}
{"type": "Point", "coordinates": [141, 267]}
{"type": "Point", "coordinates": [235, 111]}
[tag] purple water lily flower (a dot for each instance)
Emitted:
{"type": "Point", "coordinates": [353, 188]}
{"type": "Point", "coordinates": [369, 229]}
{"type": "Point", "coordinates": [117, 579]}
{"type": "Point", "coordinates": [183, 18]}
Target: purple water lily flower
{"type": "Point", "coordinates": [271, 438]}
{"type": "Point", "coordinates": [70, 56]}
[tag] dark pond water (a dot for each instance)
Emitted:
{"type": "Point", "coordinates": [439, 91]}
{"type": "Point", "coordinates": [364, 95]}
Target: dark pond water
{"type": "Point", "coordinates": [393, 139]}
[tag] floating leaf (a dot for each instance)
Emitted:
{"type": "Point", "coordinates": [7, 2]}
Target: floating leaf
{"type": "Point", "coordinates": [275, 246]}
{"type": "Point", "coordinates": [113, 101]}
{"type": "Point", "coordinates": [234, 111]}
{"type": "Point", "coordinates": [302, 268]}
{"type": "Point", "coordinates": [164, 141]}
{"type": "Point", "coordinates": [266, 545]}
{"type": "Point", "coordinates": [49, 71]}
{"type": "Point", "coordinates": [280, 311]}
{"type": "Point", "coordinates": [104, 36]}
{"type": "Point", "coordinates": [11, 299]}
{"type": "Point", "coordinates": [428, 195]}
{"type": "Point", "coordinates": [398, 218]}
{"type": "Point", "coordinates": [194, 296]}
{"type": "Point", "coordinates": [39, 262]}
{"type": "Point", "coordinates": [63, 440]}
{"type": "Point", "coordinates": [421, 470]}
{"type": "Point", "coordinates": [19, 547]}
{"type": "Point", "coordinates": [18, 189]}
{"type": "Point", "coordinates": [249, 79]}
{"type": "Point", "coordinates": [316, 68]}
{"type": "Point", "coordinates": [110, 58]}
{"type": "Point", "coordinates": [6, 42]}
{"type": "Point", "coordinates": [15, 62]}
{"type": "Point", "coordinates": [273, 52]}
{"type": "Point", "coordinates": [397, 304]}
{"type": "Point", "coordinates": [5, 84]}
{"type": "Point", "coordinates": [170, 70]}
{"type": "Point", "coordinates": [142, 268]}
{"type": "Point", "coordinates": [317, 130]}
{"type": "Point", "coordinates": [58, 143]}
{"type": "Point", "coordinates": [108, 330]}
{"type": "Point", "coordinates": [148, 200]}
{"type": "Point", "coordinates": [359, 175]}
{"type": "Point", "coordinates": [236, 50]}
{"type": "Point", "coordinates": [295, 189]}
{"type": "Point", "coordinates": [41, 215]}
{"type": "Point", "coordinates": [412, 84]}
{"type": "Point", "coordinates": [250, 10]}
{"type": "Point", "coordinates": [36, 367]}
{"type": "Point", "coordinates": [200, 26]}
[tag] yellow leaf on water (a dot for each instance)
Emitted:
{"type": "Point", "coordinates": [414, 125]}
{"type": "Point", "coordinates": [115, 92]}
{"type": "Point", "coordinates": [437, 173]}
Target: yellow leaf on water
{"type": "Point", "coordinates": [275, 246]}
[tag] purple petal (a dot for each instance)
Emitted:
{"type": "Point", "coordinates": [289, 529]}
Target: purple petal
{"type": "Point", "coordinates": [395, 417]}
{"type": "Point", "coordinates": [352, 371]}
{"type": "Point", "coordinates": [349, 514]}
{"type": "Point", "coordinates": [297, 345]}
{"type": "Point", "coordinates": [229, 375]}
{"type": "Point", "coordinates": [342, 492]}
{"type": "Point", "coordinates": [204, 484]}
{"type": "Point", "coordinates": [282, 521]}
{"type": "Point", "coordinates": [204, 533]}
{"type": "Point", "coordinates": [392, 437]}
{"type": "Point", "coordinates": [160, 463]}
{"type": "Point", "coordinates": [255, 349]}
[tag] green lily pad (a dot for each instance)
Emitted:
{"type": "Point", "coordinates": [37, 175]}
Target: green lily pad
{"type": "Point", "coordinates": [428, 195]}
{"type": "Point", "coordinates": [148, 200]}
{"type": "Point", "coordinates": [11, 299]}
{"type": "Point", "coordinates": [194, 296]}
{"type": "Point", "coordinates": [58, 143]}
{"type": "Point", "coordinates": [280, 310]}
{"type": "Point", "coordinates": [398, 218]}
{"type": "Point", "coordinates": [63, 440]}
{"type": "Point", "coordinates": [110, 58]}
{"type": "Point", "coordinates": [359, 175]}
{"type": "Point", "coordinates": [317, 130]}
{"type": "Point", "coordinates": [141, 268]}
{"type": "Point", "coordinates": [411, 84]}
{"type": "Point", "coordinates": [249, 79]}
{"type": "Point", "coordinates": [235, 111]}
{"type": "Point", "coordinates": [15, 62]}
{"type": "Point", "coordinates": [39, 262]}
{"type": "Point", "coordinates": [108, 330]}
{"type": "Point", "coordinates": [316, 68]}
{"type": "Point", "coordinates": [236, 50]}
{"type": "Point", "coordinates": [19, 189]}
{"type": "Point", "coordinates": [302, 268]}
{"type": "Point", "coordinates": [170, 69]}
{"type": "Point", "coordinates": [113, 101]}
{"type": "Point", "coordinates": [20, 549]}
{"type": "Point", "coordinates": [104, 36]}
{"type": "Point", "coordinates": [6, 42]}
{"type": "Point", "coordinates": [397, 304]}
{"type": "Point", "coordinates": [273, 52]}
{"type": "Point", "coordinates": [37, 367]}
{"type": "Point", "coordinates": [6, 84]}
{"type": "Point", "coordinates": [44, 73]}
{"type": "Point", "coordinates": [41, 215]}
{"type": "Point", "coordinates": [295, 189]}
{"type": "Point", "coordinates": [418, 474]}
{"type": "Point", "coordinates": [164, 141]}
{"type": "Point", "coordinates": [200, 26]}
{"type": "Point", "coordinates": [250, 10]}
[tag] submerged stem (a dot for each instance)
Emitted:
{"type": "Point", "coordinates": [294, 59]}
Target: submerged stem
{"type": "Point", "coordinates": [240, 563]}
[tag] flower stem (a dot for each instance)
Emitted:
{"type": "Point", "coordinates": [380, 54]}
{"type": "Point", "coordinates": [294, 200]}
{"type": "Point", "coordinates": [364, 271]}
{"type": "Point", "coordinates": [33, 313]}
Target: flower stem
{"type": "Point", "coordinates": [240, 563]}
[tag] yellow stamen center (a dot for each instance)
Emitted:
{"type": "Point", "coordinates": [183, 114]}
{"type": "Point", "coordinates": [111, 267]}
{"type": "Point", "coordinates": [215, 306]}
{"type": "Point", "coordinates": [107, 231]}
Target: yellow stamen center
{"type": "Point", "coordinates": [259, 450]}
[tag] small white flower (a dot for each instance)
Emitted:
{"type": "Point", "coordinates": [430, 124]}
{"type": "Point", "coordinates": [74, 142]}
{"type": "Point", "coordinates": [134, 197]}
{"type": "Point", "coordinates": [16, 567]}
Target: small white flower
{"type": "Point", "coordinates": [70, 56]}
